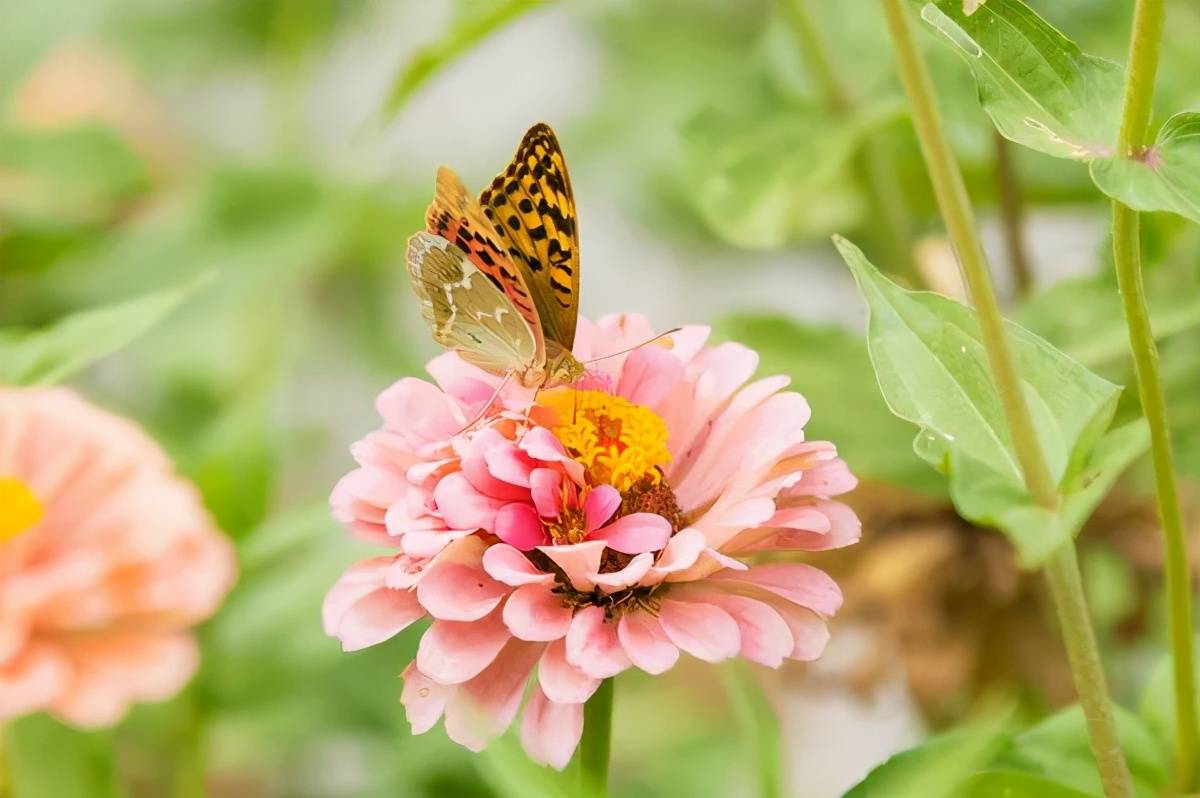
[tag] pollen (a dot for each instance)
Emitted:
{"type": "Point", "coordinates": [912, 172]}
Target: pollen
{"type": "Point", "coordinates": [19, 508]}
{"type": "Point", "coordinates": [617, 442]}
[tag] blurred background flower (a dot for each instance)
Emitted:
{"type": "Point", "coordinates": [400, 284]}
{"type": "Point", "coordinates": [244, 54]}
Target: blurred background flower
{"type": "Point", "coordinates": [288, 147]}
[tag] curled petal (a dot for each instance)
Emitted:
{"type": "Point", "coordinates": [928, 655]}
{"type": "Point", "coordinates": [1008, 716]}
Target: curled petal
{"type": "Point", "coordinates": [533, 612]}
{"type": "Point", "coordinates": [452, 652]}
{"type": "Point", "coordinates": [702, 630]}
{"type": "Point", "coordinates": [562, 681]}
{"type": "Point", "coordinates": [424, 699]}
{"type": "Point", "coordinates": [518, 525]}
{"type": "Point", "coordinates": [601, 502]}
{"type": "Point", "coordinates": [550, 732]}
{"type": "Point", "coordinates": [545, 486]}
{"type": "Point", "coordinates": [635, 533]}
{"type": "Point", "coordinates": [646, 644]}
{"type": "Point", "coordinates": [459, 591]}
{"type": "Point", "coordinates": [508, 565]}
{"type": "Point", "coordinates": [578, 561]}
{"type": "Point", "coordinates": [484, 707]}
{"type": "Point", "coordinates": [592, 645]}
{"type": "Point", "coordinates": [627, 576]}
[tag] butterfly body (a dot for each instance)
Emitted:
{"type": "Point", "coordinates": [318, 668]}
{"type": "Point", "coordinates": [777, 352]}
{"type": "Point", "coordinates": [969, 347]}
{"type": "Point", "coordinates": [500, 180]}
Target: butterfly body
{"type": "Point", "coordinates": [498, 276]}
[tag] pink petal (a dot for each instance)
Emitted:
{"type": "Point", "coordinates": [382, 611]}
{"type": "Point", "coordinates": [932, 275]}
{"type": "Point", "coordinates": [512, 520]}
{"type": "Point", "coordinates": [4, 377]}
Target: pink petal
{"type": "Point", "coordinates": [799, 583]}
{"type": "Point", "coordinates": [535, 613]}
{"type": "Point", "coordinates": [545, 486]}
{"type": "Point", "coordinates": [477, 468]}
{"type": "Point", "coordinates": [508, 565]}
{"type": "Point", "coordinates": [766, 637]}
{"type": "Point", "coordinates": [562, 681]}
{"type": "Point", "coordinates": [377, 617]}
{"type": "Point", "coordinates": [549, 731]}
{"type": "Point", "coordinates": [635, 533]}
{"type": "Point", "coordinates": [358, 580]}
{"type": "Point", "coordinates": [31, 680]}
{"type": "Point", "coordinates": [484, 707]}
{"type": "Point", "coordinates": [518, 525]}
{"type": "Point", "coordinates": [702, 630]}
{"type": "Point", "coordinates": [681, 552]}
{"type": "Point", "coordinates": [646, 643]}
{"type": "Point", "coordinates": [456, 591]}
{"type": "Point", "coordinates": [418, 411]}
{"type": "Point", "coordinates": [633, 571]}
{"type": "Point", "coordinates": [510, 464]}
{"type": "Point", "coordinates": [452, 652]}
{"type": "Point", "coordinates": [809, 632]}
{"type": "Point", "coordinates": [462, 506]}
{"type": "Point", "coordinates": [601, 502]}
{"type": "Point", "coordinates": [592, 645]}
{"type": "Point", "coordinates": [577, 560]}
{"type": "Point", "coordinates": [424, 699]}
{"type": "Point", "coordinates": [540, 444]}
{"type": "Point", "coordinates": [649, 375]}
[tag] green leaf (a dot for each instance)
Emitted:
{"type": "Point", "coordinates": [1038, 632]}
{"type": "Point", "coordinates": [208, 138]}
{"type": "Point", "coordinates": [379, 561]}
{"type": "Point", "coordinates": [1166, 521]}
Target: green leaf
{"type": "Point", "coordinates": [1156, 706]}
{"type": "Point", "coordinates": [48, 760]}
{"type": "Point", "coordinates": [55, 353]}
{"type": "Point", "coordinates": [1017, 785]}
{"type": "Point", "coordinates": [937, 768]}
{"type": "Point", "coordinates": [1059, 747]}
{"type": "Point", "coordinates": [1166, 177]}
{"type": "Point", "coordinates": [774, 170]}
{"type": "Point", "coordinates": [467, 30]}
{"type": "Point", "coordinates": [52, 354]}
{"type": "Point", "coordinates": [1038, 87]}
{"type": "Point", "coordinates": [1094, 331]}
{"type": "Point", "coordinates": [831, 368]}
{"type": "Point", "coordinates": [932, 369]}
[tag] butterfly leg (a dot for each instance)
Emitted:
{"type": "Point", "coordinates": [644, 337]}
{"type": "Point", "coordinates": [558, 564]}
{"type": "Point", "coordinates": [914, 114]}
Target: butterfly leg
{"type": "Point", "coordinates": [488, 404]}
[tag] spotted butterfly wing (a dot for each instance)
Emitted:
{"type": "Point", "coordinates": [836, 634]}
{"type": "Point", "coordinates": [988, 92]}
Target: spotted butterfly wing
{"type": "Point", "coordinates": [466, 311]}
{"type": "Point", "coordinates": [532, 212]}
{"type": "Point", "coordinates": [457, 217]}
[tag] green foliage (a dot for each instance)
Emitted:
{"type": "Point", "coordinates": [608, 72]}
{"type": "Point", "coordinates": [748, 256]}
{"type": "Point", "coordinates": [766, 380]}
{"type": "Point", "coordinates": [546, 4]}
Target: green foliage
{"type": "Point", "coordinates": [1164, 178]}
{"type": "Point", "coordinates": [1005, 784]}
{"type": "Point", "coordinates": [471, 25]}
{"type": "Point", "coordinates": [1034, 82]}
{"type": "Point", "coordinates": [933, 372]}
{"type": "Point", "coordinates": [39, 357]}
{"type": "Point", "coordinates": [46, 759]}
{"type": "Point", "coordinates": [1043, 92]}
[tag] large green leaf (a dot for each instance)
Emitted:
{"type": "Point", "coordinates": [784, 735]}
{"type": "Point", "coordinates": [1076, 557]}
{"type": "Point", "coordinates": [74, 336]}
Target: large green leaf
{"type": "Point", "coordinates": [773, 170]}
{"type": "Point", "coordinates": [1164, 178]}
{"type": "Point", "coordinates": [1059, 748]}
{"type": "Point", "coordinates": [937, 768]}
{"type": "Point", "coordinates": [37, 357]}
{"type": "Point", "coordinates": [1012, 784]}
{"type": "Point", "coordinates": [831, 367]}
{"type": "Point", "coordinates": [1035, 83]}
{"type": "Point", "coordinates": [932, 369]}
{"type": "Point", "coordinates": [45, 759]}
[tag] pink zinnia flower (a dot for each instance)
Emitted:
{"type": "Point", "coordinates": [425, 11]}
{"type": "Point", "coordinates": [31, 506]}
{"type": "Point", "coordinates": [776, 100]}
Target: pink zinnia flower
{"type": "Point", "coordinates": [601, 528]}
{"type": "Point", "coordinates": [106, 559]}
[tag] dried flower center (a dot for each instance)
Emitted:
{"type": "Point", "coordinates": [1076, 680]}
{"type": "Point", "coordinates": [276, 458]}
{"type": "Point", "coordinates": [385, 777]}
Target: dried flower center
{"type": "Point", "coordinates": [617, 442]}
{"type": "Point", "coordinates": [19, 508]}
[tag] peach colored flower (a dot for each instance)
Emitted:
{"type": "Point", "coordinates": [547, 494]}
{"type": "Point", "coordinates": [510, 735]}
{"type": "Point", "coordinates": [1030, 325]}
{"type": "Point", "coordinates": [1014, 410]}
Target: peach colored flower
{"type": "Point", "coordinates": [107, 557]}
{"type": "Point", "coordinates": [601, 528]}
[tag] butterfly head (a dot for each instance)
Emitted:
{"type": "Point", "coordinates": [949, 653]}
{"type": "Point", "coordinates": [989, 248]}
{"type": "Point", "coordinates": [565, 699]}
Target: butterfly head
{"type": "Point", "coordinates": [564, 369]}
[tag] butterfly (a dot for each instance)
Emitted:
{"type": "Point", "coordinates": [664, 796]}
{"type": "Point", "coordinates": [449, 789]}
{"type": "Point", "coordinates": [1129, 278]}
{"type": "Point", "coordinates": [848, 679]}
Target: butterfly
{"type": "Point", "coordinates": [498, 276]}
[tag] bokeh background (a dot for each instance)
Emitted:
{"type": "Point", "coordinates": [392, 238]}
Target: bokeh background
{"type": "Point", "coordinates": [286, 149]}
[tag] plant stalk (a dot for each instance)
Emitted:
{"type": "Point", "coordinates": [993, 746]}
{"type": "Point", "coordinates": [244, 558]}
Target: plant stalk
{"type": "Point", "coordinates": [1063, 570]}
{"type": "Point", "coordinates": [873, 166]}
{"type": "Point", "coordinates": [759, 726]}
{"type": "Point", "coordinates": [1148, 21]}
{"type": "Point", "coordinates": [1012, 216]}
{"type": "Point", "coordinates": [596, 745]}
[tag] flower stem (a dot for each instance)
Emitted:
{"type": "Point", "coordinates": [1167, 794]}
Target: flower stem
{"type": "Point", "coordinates": [596, 744]}
{"type": "Point", "coordinates": [758, 724]}
{"type": "Point", "coordinates": [1012, 216]}
{"type": "Point", "coordinates": [1139, 93]}
{"type": "Point", "coordinates": [1063, 571]}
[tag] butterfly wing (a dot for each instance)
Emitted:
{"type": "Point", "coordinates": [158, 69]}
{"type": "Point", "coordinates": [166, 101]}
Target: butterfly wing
{"type": "Point", "coordinates": [532, 211]}
{"type": "Point", "coordinates": [466, 311]}
{"type": "Point", "coordinates": [457, 217]}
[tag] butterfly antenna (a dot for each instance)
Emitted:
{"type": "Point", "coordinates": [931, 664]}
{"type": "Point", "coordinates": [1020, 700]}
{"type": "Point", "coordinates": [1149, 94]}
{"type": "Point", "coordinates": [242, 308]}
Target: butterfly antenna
{"type": "Point", "coordinates": [488, 404]}
{"type": "Point", "coordinates": [672, 331]}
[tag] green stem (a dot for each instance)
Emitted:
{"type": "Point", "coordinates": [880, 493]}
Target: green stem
{"type": "Point", "coordinates": [873, 165]}
{"type": "Point", "coordinates": [758, 725]}
{"type": "Point", "coordinates": [1063, 571]}
{"type": "Point", "coordinates": [1139, 93]}
{"type": "Point", "coordinates": [1012, 217]}
{"type": "Point", "coordinates": [7, 790]}
{"type": "Point", "coordinates": [596, 744]}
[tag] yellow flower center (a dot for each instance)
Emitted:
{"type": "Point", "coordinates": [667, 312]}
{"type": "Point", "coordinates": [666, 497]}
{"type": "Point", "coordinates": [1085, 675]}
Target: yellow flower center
{"type": "Point", "coordinates": [617, 442]}
{"type": "Point", "coordinates": [19, 508]}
